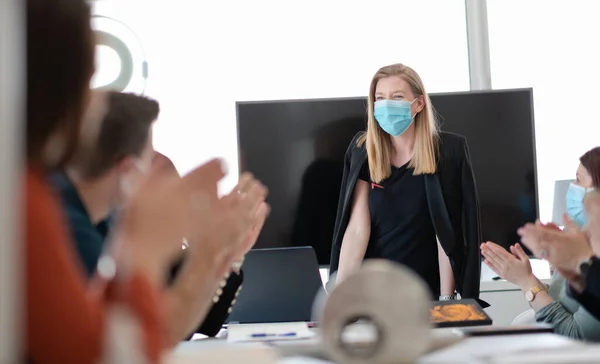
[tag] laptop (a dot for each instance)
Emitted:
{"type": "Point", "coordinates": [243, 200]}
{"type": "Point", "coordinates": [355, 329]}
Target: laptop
{"type": "Point", "coordinates": [280, 285]}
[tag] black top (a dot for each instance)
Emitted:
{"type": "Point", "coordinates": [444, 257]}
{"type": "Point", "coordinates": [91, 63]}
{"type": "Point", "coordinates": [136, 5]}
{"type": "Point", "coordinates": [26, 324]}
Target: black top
{"type": "Point", "coordinates": [453, 207]}
{"type": "Point", "coordinates": [401, 227]}
{"type": "Point", "coordinates": [590, 297]}
{"type": "Point", "coordinates": [89, 240]}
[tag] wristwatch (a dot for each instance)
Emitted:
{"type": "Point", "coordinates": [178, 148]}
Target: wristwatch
{"type": "Point", "coordinates": [448, 297]}
{"type": "Point", "coordinates": [532, 292]}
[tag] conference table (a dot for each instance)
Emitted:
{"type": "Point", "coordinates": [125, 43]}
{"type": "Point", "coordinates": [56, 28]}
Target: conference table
{"type": "Point", "coordinates": [449, 348]}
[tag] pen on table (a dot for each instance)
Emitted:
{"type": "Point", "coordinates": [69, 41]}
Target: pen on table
{"type": "Point", "coordinates": [259, 335]}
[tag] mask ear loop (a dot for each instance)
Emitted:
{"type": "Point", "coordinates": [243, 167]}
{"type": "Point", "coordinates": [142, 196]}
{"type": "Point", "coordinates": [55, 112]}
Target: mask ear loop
{"type": "Point", "coordinates": [140, 166]}
{"type": "Point", "coordinates": [412, 102]}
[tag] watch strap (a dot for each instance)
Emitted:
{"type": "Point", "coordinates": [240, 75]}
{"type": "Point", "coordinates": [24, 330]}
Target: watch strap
{"type": "Point", "coordinates": [533, 291]}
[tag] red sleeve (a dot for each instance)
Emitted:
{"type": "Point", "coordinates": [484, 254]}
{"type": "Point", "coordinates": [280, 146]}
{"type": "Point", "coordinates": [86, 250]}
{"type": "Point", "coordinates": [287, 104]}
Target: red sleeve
{"type": "Point", "coordinates": [65, 321]}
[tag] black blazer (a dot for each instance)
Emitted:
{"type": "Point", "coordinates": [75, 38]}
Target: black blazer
{"type": "Point", "coordinates": [453, 205]}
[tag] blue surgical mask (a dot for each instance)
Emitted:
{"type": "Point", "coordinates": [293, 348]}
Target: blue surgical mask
{"type": "Point", "coordinates": [575, 208]}
{"type": "Point", "coordinates": [394, 116]}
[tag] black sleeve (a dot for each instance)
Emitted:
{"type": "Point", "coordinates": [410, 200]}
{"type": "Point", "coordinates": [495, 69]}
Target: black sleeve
{"type": "Point", "coordinates": [336, 244]}
{"type": "Point", "coordinates": [218, 313]}
{"type": "Point", "coordinates": [220, 310]}
{"type": "Point", "coordinates": [472, 228]}
{"type": "Point", "coordinates": [364, 173]}
{"type": "Point", "coordinates": [590, 298]}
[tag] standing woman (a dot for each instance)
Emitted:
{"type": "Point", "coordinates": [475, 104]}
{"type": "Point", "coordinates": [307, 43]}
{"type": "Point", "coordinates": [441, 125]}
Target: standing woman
{"type": "Point", "coordinates": [408, 192]}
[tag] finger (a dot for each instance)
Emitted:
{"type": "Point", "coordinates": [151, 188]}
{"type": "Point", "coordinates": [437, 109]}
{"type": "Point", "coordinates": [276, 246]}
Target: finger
{"type": "Point", "coordinates": [538, 248]}
{"type": "Point", "coordinates": [484, 251]}
{"type": "Point", "coordinates": [500, 252]}
{"type": "Point", "coordinates": [244, 183]}
{"type": "Point", "coordinates": [491, 265]}
{"type": "Point", "coordinates": [493, 257]}
{"type": "Point", "coordinates": [253, 234]}
{"type": "Point", "coordinates": [249, 203]}
{"type": "Point", "coordinates": [552, 225]}
{"type": "Point", "coordinates": [526, 229]}
{"type": "Point", "coordinates": [261, 215]}
{"type": "Point", "coordinates": [205, 177]}
{"type": "Point", "coordinates": [532, 243]}
{"type": "Point", "coordinates": [570, 225]}
{"type": "Point", "coordinates": [520, 252]}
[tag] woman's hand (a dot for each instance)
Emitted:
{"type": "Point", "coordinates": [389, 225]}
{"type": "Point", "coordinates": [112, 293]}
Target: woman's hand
{"type": "Point", "coordinates": [236, 226]}
{"type": "Point", "coordinates": [514, 267]}
{"type": "Point", "coordinates": [260, 216]}
{"type": "Point", "coordinates": [565, 250]}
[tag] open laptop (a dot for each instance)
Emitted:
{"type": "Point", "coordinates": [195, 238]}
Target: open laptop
{"type": "Point", "coordinates": [280, 285]}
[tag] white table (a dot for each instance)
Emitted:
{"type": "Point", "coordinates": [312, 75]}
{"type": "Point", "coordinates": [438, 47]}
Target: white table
{"type": "Point", "coordinates": [472, 350]}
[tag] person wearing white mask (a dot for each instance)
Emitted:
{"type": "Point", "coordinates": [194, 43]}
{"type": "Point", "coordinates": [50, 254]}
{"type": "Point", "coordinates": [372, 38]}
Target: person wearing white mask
{"type": "Point", "coordinates": [114, 156]}
{"type": "Point", "coordinates": [114, 153]}
{"type": "Point", "coordinates": [408, 192]}
{"type": "Point", "coordinates": [587, 179]}
{"type": "Point", "coordinates": [552, 304]}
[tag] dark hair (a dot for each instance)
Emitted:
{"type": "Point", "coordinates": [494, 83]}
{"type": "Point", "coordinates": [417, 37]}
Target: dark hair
{"type": "Point", "coordinates": [591, 161]}
{"type": "Point", "coordinates": [60, 64]}
{"type": "Point", "coordinates": [124, 131]}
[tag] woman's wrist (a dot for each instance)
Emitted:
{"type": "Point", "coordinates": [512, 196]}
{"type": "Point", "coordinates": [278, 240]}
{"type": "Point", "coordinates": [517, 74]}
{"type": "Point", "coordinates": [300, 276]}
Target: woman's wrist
{"type": "Point", "coordinates": [528, 282]}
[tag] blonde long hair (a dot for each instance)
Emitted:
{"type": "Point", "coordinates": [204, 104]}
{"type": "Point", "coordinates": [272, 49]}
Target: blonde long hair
{"type": "Point", "coordinates": [379, 144]}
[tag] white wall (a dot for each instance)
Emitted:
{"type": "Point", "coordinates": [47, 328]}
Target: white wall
{"type": "Point", "coordinates": [11, 52]}
{"type": "Point", "coordinates": [204, 56]}
{"type": "Point", "coordinates": [552, 46]}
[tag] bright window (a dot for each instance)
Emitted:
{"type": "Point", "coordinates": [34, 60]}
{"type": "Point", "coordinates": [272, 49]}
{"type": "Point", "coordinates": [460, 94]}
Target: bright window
{"type": "Point", "coordinates": [205, 55]}
{"type": "Point", "coordinates": [551, 46]}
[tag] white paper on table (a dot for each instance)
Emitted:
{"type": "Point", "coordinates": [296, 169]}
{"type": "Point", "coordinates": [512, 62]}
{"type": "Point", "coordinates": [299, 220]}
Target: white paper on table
{"type": "Point", "coordinates": [272, 331]}
{"type": "Point", "coordinates": [582, 355]}
{"type": "Point", "coordinates": [225, 355]}
{"type": "Point", "coordinates": [485, 348]}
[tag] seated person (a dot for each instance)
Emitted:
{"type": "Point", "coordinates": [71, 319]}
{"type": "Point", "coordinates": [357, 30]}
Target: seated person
{"type": "Point", "coordinates": [115, 161]}
{"type": "Point", "coordinates": [552, 305]}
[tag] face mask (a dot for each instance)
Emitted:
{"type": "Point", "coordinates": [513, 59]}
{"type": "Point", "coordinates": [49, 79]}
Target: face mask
{"type": "Point", "coordinates": [126, 187]}
{"type": "Point", "coordinates": [394, 116]}
{"type": "Point", "coordinates": [575, 208]}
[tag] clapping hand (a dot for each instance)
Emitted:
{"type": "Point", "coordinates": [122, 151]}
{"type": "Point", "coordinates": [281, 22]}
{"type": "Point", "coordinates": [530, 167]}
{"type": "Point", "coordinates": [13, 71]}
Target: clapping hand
{"type": "Point", "coordinates": [514, 266]}
{"type": "Point", "coordinates": [160, 214]}
{"type": "Point", "coordinates": [231, 226]}
{"type": "Point", "coordinates": [564, 250]}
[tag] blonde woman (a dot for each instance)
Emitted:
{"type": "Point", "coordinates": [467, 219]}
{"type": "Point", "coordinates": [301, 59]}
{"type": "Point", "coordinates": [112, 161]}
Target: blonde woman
{"type": "Point", "coordinates": [408, 192]}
